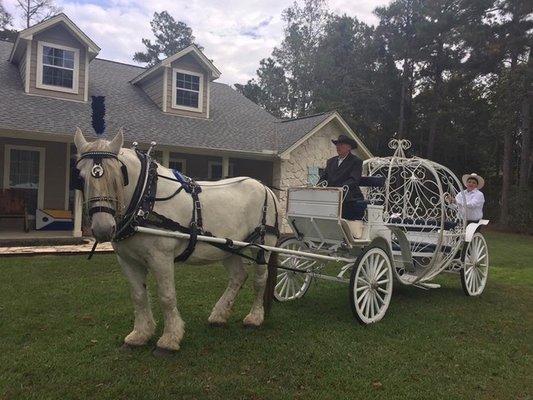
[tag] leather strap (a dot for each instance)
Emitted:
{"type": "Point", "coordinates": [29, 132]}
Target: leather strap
{"type": "Point", "coordinates": [97, 209]}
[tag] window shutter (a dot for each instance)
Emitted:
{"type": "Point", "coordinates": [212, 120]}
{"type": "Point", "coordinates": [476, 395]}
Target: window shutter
{"type": "Point", "coordinates": [312, 175]}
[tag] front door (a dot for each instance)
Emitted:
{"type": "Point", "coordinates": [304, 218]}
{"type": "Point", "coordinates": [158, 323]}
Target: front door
{"type": "Point", "coordinates": [25, 170]}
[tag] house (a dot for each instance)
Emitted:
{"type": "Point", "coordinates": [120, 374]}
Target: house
{"type": "Point", "coordinates": [203, 128]}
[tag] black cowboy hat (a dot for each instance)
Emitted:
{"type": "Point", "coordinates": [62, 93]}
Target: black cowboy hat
{"type": "Point", "coordinates": [347, 140]}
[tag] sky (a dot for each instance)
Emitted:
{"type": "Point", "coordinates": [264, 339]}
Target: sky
{"type": "Point", "coordinates": [235, 34]}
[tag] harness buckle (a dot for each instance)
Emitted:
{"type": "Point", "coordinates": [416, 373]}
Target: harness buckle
{"type": "Point", "coordinates": [141, 213]}
{"type": "Point", "coordinates": [197, 204]}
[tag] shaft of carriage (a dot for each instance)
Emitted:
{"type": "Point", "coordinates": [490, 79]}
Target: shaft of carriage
{"type": "Point", "coordinates": [240, 244]}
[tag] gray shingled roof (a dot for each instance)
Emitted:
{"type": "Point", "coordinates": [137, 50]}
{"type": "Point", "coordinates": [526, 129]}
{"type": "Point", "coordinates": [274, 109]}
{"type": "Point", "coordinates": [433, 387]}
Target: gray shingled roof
{"type": "Point", "coordinates": [235, 122]}
{"type": "Point", "coordinates": [290, 131]}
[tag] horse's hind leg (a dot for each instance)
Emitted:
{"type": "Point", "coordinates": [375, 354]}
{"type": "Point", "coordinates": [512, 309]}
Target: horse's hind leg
{"type": "Point", "coordinates": [237, 275]}
{"type": "Point", "coordinates": [144, 326]}
{"type": "Point", "coordinates": [256, 316]}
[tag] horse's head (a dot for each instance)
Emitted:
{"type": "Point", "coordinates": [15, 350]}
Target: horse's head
{"type": "Point", "coordinates": [103, 182]}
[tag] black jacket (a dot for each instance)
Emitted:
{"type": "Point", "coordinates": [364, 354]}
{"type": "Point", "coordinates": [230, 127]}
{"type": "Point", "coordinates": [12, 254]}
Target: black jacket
{"type": "Point", "coordinates": [348, 173]}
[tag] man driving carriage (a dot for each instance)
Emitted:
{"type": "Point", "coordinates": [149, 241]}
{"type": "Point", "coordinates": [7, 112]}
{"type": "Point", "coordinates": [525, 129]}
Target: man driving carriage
{"type": "Point", "coordinates": [345, 170]}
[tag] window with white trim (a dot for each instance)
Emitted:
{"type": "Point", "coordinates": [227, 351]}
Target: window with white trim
{"type": "Point", "coordinates": [24, 171]}
{"type": "Point", "coordinates": [187, 88]}
{"type": "Point", "coordinates": [57, 67]}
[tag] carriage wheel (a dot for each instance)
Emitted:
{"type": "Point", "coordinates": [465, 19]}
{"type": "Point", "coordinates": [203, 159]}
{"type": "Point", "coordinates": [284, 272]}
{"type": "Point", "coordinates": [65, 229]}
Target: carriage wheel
{"type": "Point", "coordinates": [291, 285]}
{"type": "Point", "coordinates": [476, 266]}
{"type": "Point", "coordinates": [371, 285]}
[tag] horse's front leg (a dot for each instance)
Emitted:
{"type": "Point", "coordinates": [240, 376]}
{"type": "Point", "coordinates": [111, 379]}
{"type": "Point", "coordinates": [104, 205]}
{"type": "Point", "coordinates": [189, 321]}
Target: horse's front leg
{"type": "Point", "coordinates": [144, 326]}
{"type": "Point", "coordinates": [163, 271]}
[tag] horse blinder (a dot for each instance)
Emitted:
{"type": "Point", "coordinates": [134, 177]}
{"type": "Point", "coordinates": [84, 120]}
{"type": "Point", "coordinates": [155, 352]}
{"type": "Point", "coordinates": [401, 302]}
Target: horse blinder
{"type": "Point", "coordinates": [97, 171]}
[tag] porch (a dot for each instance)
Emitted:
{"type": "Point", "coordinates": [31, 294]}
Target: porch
{"type": "Point", "coordinates": [42, 170]}
{"type": "Point", "coordinates": [11, 238]}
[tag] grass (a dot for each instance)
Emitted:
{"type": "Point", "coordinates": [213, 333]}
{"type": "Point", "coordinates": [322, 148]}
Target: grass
{"type": "Point", "coordinates": [62, 320]}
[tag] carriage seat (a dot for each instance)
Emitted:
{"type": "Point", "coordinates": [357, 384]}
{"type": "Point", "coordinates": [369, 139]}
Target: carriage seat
{"type": "Point", "coordinates": [368, 181]}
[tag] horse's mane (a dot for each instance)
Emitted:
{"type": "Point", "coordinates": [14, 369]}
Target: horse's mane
{"type": "Point", "coordinates": [110, 184]}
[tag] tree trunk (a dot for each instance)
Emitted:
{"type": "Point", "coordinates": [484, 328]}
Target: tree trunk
{"type": "Point", "coordinates": [507, 153]}
{"type": "Point", "coordinates": [437, 89]}
{"type": "Point", "coordinates": [506, 177]}
{"type": "Point", "coordinates": [525, 153]}
{"type": "Point", "coordinates": [406, 78]}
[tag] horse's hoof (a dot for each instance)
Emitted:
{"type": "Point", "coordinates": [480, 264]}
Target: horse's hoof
{"type": "Point", "coordinates": [164, 353]}
{"type": "Point", "coordinates": [251, 327]}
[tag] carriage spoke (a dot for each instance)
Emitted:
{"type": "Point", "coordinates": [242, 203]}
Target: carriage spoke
{"type": "Point", "coordinates": [367, 307]}
{"type": "Point", "coordinates": [292, 288]}
{"type": "Point", "coordinates": [362, 295]}
{"type": "Point", "coordinates": [281, 280]}
{"type": "Point", "coordinates": [479, 247]}
{"type": "Point", "coordinates": [383, 271]}
{"type": "Point", "coordinates": [362, 304]}
{"type": "Point", "coordinates": [375, 265]}
{"type": "Point", "coordinates": [386, 280]}
{"type": "Point", "coordinates": [468, 276]}
{"type": "Point", "coordinates": [381, 299]}
{"type": "Point", "coordinates": [363, 280]}
{"type": "Point", "coordinates": [370, 267]}
{"type": "Point", "coordinates": [286, 260]}
{"type": "Point", "coordinates": [305, 264]}
{"type": "Point", "coordinates": [376, 303]}
{"type": "Point", "coordinates": [474, 280]}
{"type": "Point", "coordinates": [284, 287]}
{"type": "Point", "coordinates": [380, 289]}
{"type": "Point", "coordinates": [281, 273]}
{"type": "Point", "coordinates": [370, 305]}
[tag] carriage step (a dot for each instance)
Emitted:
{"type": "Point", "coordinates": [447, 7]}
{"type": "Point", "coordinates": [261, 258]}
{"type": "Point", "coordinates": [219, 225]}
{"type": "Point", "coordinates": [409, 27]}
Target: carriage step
{"type": "Point", "coordinates": [427, 285]}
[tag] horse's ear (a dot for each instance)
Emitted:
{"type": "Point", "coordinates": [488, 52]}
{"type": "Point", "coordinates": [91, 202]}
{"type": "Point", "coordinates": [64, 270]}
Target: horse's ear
{"type": "Point", "coordinates": [79, 140]}
{"type": "Point", "coordinates": [117, 142]}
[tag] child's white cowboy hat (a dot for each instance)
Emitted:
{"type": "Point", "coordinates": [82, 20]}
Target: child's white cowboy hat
{"type": "Point", "coordinates": [478, 178]}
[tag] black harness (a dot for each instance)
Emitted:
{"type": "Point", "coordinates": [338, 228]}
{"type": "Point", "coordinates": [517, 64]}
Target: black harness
{"type": "Point", "coordinates": [140, 211]}
{"type": "Point", "coordinates": [97, 171]}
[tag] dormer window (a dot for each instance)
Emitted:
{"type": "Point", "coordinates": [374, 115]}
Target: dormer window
{"type": "Point", "coordinates": [187, 89]}
{"type": "Point", "coordinates": [57, 67]}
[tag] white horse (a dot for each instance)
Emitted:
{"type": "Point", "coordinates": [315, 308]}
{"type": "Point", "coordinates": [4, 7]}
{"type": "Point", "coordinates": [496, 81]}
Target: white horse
{"type": "Point", "coordinates": [231, 208]}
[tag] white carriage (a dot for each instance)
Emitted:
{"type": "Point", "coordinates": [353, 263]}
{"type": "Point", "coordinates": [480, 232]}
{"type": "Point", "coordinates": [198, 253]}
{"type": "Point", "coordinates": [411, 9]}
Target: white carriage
{"type": "Point", "coordinates": [411, 233]}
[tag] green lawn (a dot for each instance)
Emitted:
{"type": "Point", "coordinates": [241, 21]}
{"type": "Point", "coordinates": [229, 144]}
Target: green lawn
{"type": "Point", "coordinates": [62, 320]}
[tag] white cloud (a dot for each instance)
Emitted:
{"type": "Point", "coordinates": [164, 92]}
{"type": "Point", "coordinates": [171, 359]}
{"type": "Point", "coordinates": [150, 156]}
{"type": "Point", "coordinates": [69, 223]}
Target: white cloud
{"type": "Point", "coordinates": [235, 34]}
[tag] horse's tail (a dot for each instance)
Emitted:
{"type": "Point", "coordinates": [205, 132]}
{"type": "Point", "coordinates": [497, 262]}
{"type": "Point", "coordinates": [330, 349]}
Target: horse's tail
{"type": "Point", "coordinates": [272, 271]}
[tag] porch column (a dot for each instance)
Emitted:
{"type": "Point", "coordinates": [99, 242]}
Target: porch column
{"type": "Point", "coordinates": [67, 177]}
{"type": "Point", "coordinates": [166, 158]}
{"type": "Point", "coordinates": [77, 214]}
{"type": "Point", "coordinates": [225, 167]}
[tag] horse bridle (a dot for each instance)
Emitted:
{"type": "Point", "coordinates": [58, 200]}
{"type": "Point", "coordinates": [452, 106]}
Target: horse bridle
{"type": "Point", "coordinates": [97, 171]}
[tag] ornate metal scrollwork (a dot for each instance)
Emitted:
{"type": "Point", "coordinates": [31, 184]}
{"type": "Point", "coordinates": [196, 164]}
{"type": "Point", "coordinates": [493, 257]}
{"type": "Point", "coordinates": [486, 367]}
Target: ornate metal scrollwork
{"type": "Point", "coordinates": [414, 199]}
